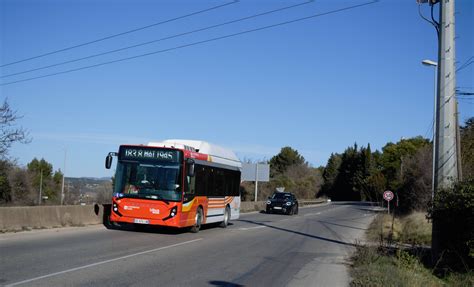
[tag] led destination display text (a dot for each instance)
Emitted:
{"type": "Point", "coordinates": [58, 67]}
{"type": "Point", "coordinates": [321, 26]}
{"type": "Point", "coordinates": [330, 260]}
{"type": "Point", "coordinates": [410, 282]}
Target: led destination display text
{"type": "Point", "coordinates": [134, 153]}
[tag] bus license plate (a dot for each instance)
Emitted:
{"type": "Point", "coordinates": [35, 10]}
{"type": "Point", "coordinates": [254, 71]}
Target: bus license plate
{"type": "Point", "coordinates": [141, 221]}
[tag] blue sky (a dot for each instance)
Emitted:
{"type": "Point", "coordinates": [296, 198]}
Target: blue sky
{"type": "Point", "coordinates": [317, 85]}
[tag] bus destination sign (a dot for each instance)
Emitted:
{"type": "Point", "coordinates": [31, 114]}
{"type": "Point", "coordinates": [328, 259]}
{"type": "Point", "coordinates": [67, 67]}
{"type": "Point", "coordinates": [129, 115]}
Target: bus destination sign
{"type": "Point", "coordinates": [142, 153]}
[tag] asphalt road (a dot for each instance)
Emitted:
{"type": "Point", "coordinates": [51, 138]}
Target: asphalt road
{"type": "Point", "coordinates": [309, 249]}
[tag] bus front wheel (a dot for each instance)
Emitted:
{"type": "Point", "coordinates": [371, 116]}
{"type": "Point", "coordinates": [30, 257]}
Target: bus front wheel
{"type": "Point", "coordinates": [198, 221]}
{"type": "Point", "coordinates": [226, 217]}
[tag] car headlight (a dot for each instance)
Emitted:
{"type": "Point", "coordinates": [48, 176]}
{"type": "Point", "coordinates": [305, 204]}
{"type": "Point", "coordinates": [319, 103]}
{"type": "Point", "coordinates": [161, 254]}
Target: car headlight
{"type": "Point", "coordinates": [288, 203]}
{"type": "Point", "coordinates": [269, 202]}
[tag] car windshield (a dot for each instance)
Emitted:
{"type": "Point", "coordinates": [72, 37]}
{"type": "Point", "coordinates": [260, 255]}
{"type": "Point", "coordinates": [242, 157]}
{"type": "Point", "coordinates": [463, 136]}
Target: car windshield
{"type": "Point", "coordinates": [149, 181]}
{"type": "Point", "coordinates": [281, 196]}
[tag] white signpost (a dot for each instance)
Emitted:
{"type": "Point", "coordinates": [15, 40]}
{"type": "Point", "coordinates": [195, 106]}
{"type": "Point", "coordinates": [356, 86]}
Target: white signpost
{"type": "Point", "coordinates": [255, 172]}
{"type": "Point", "coordinates": [388, 196]}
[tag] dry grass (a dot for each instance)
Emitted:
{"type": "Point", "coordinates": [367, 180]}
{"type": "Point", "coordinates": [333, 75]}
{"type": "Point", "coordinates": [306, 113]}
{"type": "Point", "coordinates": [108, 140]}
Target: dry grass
{"type": "Point", "coordinates": [412, 229]}
{"type": "Point", "coordinates": [374, 267]}
{"type": "Point", "coordinates": [416, 229]}
{"type": "Point", "coordinates": [389, 266]}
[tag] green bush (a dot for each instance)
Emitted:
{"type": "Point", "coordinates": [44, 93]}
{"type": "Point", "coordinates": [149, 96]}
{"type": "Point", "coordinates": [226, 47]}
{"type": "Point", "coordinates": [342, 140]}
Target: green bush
{"type": "Point", "coordinates": [453, 218]}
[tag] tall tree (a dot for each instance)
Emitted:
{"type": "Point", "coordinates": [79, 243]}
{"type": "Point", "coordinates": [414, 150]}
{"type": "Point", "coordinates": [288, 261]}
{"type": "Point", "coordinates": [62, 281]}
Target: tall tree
{"type": "Point", "coordinates": [347, 184]}
{"type": "Point", "coordinates": [467, 149]}
{"type": "Point", "coordinates": [5, 189]}
{"type": "Point", "coordinates": [330, 174]}
{"type": "Point", "coordinates": [42, 173]}
{"type": "Point", "coordinates": [415, 190]}
{"type": "Point", "coordinates": [391, 159]}
{"type": "Point", "coordinates": [21, 189]}
{"type": "Point", "coordinates": [9, 133]}
{"type": "Point", "coordinates": [286, 158]}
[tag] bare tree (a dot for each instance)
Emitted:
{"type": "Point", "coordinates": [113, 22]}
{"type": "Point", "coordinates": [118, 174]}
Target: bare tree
{"type": "Point", "coordinates": [22, 191]}
{"type": "Point", "coordinates": [9, 133]}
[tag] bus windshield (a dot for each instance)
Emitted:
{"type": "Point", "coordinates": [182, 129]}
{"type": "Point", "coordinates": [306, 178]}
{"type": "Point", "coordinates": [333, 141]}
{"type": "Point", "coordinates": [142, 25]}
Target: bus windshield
{"type": "Point", "coordinates": [160, 181]}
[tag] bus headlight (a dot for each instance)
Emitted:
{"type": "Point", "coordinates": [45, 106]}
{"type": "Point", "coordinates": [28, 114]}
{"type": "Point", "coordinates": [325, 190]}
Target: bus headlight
{"type": "Point", "coordinates": [115, 207]}
{"type": "Point", "coordinates": [173, 211]}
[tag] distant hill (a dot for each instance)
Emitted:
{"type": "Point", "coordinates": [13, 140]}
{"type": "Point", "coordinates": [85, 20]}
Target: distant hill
{"type": "Point", "coordinates": [88, 180]}
{"type": "Point", "coordinates": [88, 189]}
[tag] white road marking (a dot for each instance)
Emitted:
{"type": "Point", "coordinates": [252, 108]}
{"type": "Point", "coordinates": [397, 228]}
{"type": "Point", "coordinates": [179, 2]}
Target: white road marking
{"type": "Point", "coordinates": [101, 262]}
{"type": "Point", "coordinates": [251, 228]}
{"type": "Point", "coordinates": [310, 214]}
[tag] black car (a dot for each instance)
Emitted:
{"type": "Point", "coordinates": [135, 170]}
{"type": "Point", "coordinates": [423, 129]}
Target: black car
{"type": "Point", "coordinates": [284, 202]}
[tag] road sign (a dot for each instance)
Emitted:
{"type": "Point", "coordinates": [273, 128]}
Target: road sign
{"type": "Point", "coordinates": [388, 195]}
{"type": "Point", "coordinates": [255, 172]}
{"type": "Point", "coordinates": [252, 172]}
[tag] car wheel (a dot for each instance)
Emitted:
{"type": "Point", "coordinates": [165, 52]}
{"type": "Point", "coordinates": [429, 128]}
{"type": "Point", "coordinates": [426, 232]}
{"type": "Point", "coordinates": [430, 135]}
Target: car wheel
{"type": "Point", "coordinates": [296, 209]}
{"type": "Point", "coordinates": [293, 210]}
{"type": "Point", "coordinates": [269, 211]}
{"type": "Point", "coordinates": [197, 222]}
{"type": "Point", "coordinates": [290, 212]}
{"type": "Point", "coordinates": [226, 217]}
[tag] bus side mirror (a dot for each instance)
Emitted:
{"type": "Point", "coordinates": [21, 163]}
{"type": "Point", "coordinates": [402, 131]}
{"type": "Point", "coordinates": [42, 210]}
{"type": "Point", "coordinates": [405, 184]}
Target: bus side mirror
{"type": "Point", "coordinates": [108, 161]}
{"type": "Point", "coordinates": [190, 167]}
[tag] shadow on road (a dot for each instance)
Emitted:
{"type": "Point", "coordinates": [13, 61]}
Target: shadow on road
{"type": "Point", "coordinates": [341, 225]}
{"type": "Point", "coordinates": [298, 232]}
{"type": "Point", "coordinates": [224, 284]}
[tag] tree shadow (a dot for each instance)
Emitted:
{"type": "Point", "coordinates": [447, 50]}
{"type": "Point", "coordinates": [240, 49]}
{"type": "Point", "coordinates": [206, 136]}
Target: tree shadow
{"type": "Point", "coordinates": [224, 284]}
{"type": "Point", "coordinates": [342, 225]}
{"type": "Point", "coordinates": [299, 233]}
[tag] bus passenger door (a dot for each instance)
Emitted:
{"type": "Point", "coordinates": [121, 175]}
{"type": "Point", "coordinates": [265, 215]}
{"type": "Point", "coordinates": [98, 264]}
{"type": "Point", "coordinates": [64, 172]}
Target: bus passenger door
{"type": "Point", "coordinates": [189, 201]}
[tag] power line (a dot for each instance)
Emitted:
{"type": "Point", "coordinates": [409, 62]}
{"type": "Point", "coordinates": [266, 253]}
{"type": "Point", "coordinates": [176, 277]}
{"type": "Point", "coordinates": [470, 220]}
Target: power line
{"type": "Point", "coordinates": [464, 66]}
{"type": "Point", "coordinates": [429, 129]}
{"type": "Point", "coordinates": [158, 40]}
{"type": "Point", "coordinates": [121, 34]}
{"type": "Point", "coordinates": [198, 43]}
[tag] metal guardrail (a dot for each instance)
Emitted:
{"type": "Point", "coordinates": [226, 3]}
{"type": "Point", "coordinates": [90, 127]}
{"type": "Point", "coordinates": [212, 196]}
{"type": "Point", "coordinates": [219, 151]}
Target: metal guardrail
{"type": "Point", "coordinates": [310, 202]}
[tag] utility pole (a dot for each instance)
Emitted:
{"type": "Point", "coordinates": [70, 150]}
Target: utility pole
{"type": "Point", "coordinates": [64, 174]}
{"type": "Point", "coordinates": [447, 165]}
{"type": "Point", "coordinates": [446, 160]}
{"type": "Point", "coordinates": [256, 182]}
{"type": "Point", "coordinates": [41, 187]}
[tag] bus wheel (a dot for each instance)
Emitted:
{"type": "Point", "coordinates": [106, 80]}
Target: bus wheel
{"type": "Point", "coordinates": [226, 217]}
{"type": "Point", "coordinates": [198, 221]}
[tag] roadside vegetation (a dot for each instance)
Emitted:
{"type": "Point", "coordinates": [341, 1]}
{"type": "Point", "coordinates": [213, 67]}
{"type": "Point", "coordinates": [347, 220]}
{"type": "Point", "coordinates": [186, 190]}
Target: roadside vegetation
{"type": "Point", "coordinates": [290, 170]}
{"type": "Point", "coordinates": [398, 248]}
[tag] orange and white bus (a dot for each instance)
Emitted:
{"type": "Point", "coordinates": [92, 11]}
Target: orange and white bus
{"type": "Point", "coordinates": [176, 183]}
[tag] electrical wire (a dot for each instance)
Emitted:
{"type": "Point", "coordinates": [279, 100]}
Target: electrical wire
{"type": "Point", "coordinates": [429, 130]}
{"type": "Point", "coordinates": [120, 34]}
{"type": "Point", "coordinates": [466, 64]}
{"type": "Point", "coordinates": [159, 40]}
{"type": "Point", "coordinates": [198, 43]}
{"type": "Point", "coordinates": [434, 23]}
